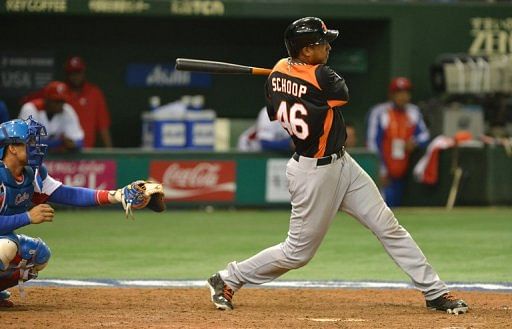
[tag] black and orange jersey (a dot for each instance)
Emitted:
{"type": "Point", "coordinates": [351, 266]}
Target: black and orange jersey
{"type": "Point", "coordinates": [305, 99]}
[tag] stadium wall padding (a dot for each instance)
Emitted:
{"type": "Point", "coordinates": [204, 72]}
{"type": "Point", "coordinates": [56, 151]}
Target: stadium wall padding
{"type": "Point", "coordinates": [485, 181]}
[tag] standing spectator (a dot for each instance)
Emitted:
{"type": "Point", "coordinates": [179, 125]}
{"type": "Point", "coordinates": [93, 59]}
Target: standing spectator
{"type": "Point", "coordinates": [265, 135]}
{"type": "Point", "coordinates": [63, 129]}
{"type": "Point", "coordinates": [4, 113]}
{"type": "Point", "coordinates": [89, 103]}
{"type": "Point", "coordinates": [395, 129]}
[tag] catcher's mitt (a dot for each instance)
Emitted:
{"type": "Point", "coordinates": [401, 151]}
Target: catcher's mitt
{"type": "Point", "coordinates": [141, 194]}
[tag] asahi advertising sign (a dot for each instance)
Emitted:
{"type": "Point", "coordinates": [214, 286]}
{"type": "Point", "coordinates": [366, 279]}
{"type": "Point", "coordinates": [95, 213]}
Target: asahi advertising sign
{"type": "Point", "coordinates": [196, 180]}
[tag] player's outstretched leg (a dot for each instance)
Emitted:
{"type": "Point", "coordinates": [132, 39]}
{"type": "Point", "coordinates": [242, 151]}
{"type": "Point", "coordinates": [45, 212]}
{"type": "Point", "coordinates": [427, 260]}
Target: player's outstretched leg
{"type": "Point", "coordinates": [363, 201]}
{"type": "Point", "coordinates": [221, 294]}
{"type": "Point", "coordinates": [449, 304]}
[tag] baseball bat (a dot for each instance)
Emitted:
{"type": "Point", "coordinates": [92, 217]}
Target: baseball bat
{"type": "Point", "coordinates": [200, 65]}
{"type": "Point", "coordinates": [457, 174]}
{"type": "Point", "coordinates": [454, 189]}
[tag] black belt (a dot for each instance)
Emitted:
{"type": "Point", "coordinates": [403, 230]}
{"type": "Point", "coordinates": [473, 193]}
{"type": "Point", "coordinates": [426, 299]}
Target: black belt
{"type": "Point", "coordinates": [325, 160]}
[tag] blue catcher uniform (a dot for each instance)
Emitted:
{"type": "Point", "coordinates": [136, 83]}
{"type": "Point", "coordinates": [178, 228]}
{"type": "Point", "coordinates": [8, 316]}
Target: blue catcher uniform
{"type": "Point", "coordinates": [32, 253]}
{"type": "Point", "coordinates": [21, 257]}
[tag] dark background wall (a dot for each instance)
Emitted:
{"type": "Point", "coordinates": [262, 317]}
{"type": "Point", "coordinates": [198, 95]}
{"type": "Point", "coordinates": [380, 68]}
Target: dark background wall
{"type": "Point", "coordinates": [394, 39]}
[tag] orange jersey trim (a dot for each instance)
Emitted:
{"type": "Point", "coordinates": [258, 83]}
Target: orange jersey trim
{"type": "Point", "coordinates": [302, 71]}
{"type": "Point", "coordinates": [322, 142]}
{"type": "Point", "coordinates": [334, 103]}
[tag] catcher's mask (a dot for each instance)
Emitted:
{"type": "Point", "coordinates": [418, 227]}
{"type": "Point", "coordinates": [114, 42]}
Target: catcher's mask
{"type": "Point", "coordinates": [26, 132]}
{"type": "Point", "coordinates": [305, 32]}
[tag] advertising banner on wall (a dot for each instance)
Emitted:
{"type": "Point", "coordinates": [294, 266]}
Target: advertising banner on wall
{"type": "Point", "coordinates": [196, 180]}
{"type": "Point", "coordinates": [164, 75]}
{"type": "Point", "coordinates": [24, 72]}
{"type": "Point", "coordinates": [96, 174]}
{"type": "Point", "coordinates": [276, 181]}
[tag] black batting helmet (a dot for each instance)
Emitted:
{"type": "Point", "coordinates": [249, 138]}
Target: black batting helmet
{"type": "Point", "coordinates": [306, 31]}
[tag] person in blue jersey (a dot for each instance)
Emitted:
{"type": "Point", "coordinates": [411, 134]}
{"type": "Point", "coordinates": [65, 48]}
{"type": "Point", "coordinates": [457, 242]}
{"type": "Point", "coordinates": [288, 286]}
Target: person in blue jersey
{"type": "Point", "coordinates": [24, 181]}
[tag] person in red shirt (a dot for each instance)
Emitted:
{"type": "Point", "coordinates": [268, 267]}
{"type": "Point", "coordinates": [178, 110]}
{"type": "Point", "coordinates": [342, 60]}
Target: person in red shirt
{"type": "Point", "coordinates": [88, 101]}
{"type": "Point", "coordinates": [63, 130]}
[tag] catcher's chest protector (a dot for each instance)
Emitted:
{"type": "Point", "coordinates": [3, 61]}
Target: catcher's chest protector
{"type": "Point", "coordinates": [15, 197]}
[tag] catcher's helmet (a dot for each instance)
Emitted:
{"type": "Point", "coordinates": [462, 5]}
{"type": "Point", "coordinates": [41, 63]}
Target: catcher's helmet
{"type": "Point", "coordinates": [307, 31]}
{"type": "Point", "coordinates": [26, 132]}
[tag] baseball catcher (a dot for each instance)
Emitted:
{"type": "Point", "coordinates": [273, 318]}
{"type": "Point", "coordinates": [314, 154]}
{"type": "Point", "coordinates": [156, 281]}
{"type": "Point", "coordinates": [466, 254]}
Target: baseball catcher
{"type": "Point", "coordinates": [24, 181]}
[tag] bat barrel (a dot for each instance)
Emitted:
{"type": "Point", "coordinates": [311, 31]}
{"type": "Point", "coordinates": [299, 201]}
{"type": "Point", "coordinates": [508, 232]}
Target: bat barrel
{"type": "Point", "coordinates": [185, 64]}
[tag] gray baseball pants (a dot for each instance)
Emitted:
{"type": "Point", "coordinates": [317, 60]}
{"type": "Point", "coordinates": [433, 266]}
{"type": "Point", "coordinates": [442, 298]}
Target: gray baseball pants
{"type": "Point", "coordinates": [317, 193]}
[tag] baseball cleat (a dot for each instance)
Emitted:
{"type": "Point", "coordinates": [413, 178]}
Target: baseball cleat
{"type": "Point", "coordinates": [449, 304]}
{"type": "Point", "coordinates": [4, 299]}
{"type": "Point", "coordinates": [221, 294]}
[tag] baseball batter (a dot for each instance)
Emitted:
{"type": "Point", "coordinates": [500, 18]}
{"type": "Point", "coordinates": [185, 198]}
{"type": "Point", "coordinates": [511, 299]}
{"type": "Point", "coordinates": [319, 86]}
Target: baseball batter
{"type": "Point", "coordinates": [305, 96]}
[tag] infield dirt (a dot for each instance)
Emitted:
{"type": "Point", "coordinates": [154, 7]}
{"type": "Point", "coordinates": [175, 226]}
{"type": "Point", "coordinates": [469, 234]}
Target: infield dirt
{"type": "Point", "coordinates": [58, 307]}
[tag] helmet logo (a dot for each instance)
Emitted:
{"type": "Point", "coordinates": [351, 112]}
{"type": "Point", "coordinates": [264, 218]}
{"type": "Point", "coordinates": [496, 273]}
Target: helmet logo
{"type": "Point", "coordinates": [60, 88]}
{"type": "Point", "coordinates": [401, 83]}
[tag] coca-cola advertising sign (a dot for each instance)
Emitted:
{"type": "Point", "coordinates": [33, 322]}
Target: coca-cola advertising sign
{"type": "Point", "coordinates": [196, 180]}
{"type": "Point", "coordinates": [97, 174]}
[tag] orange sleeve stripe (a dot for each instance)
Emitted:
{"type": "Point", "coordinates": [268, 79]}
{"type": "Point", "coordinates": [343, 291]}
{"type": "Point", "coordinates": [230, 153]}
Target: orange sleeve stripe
{"type": "Point", "coordinates": [333, 103]}
{"type": "Point", "coordinates": [322, 142]}
{"type": "Point", "coordinates": [304, 72]}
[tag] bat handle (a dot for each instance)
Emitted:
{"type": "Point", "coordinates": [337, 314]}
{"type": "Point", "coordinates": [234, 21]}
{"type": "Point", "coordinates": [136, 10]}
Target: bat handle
{"type": "Point", "coordinates": [260, 71]}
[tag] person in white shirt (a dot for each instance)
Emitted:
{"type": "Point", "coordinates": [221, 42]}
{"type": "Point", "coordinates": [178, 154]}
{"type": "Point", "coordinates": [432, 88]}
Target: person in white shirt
{"type": "Point", "coordinates": [265, 135]}
{"type": "Point", "coordinates": [64, 132]}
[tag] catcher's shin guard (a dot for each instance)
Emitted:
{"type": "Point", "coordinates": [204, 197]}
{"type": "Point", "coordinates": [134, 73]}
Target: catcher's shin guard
{"type": "Point", "coordinates": [31, 256]}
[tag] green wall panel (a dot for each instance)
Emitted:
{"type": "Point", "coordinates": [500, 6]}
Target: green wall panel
{"type": "Point", "coordinates": [250, 181]}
